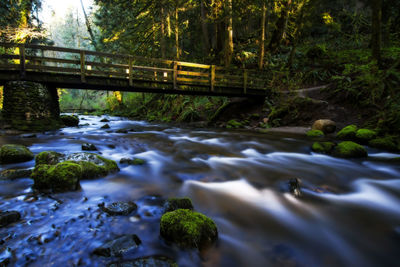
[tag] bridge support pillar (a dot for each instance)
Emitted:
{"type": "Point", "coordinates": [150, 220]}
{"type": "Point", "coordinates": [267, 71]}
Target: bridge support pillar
{"type": "Point", "coordinates": [30, 106]}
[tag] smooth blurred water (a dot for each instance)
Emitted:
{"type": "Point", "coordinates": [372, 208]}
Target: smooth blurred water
{"type": "Point", "coordinates": [349, 214]}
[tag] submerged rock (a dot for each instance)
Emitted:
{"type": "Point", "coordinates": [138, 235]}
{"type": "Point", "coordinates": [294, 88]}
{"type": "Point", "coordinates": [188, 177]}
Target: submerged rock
{"type": "Point", "coordinates": [11, 174]}
{"type": "Point", "coordinates": [89, 147]}
{"type": "Point", "coordinates": [178, 203]}
{"type": "Point", "coordinates": [326, 126]}
{"type": "Point", "coordinates": [61, 177]}
{"type": "Point", "coordinates": [188, 229]}
{"type": "Point", "coordinates": [118, 246]}
{"type": "Point", "coordinates": [70, 120]}
{"type": "Point", "coordinates": [119, 208]}
{"type": "Point", "coordinates": [348, 149]}
{"type": "Point", "coordinates": [294, 187]}
{"type": "Point", "coordinates": [123, 131]}
{"type": "Point", "coordinates": [134, 161]}
{"type": "Point", "coordinates": [9, 217]}
{"type": "Point", "coordinates": [347, 133]}
{"type": "Point", "coordinates": [105, 120]}
{"type": "Point", "coordinates": [151, 261]}
{"type": "Point", "coordinates": [105, 126]}
{"type": "Point", "coordinates": [15, 154]}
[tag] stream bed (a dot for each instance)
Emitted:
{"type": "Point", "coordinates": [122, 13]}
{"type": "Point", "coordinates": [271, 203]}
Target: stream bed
{"type": "Point", "coordinates": [348, 214]}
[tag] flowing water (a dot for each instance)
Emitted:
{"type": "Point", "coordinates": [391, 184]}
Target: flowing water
{"type": "Point", "coordinates": [348, 215]}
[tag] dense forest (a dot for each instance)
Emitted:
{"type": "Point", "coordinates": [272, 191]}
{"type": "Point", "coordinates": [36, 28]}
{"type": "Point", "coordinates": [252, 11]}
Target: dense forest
{"type": "Point", "coordinates": [351, 47]}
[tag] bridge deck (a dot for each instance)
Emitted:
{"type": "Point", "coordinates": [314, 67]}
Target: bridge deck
{"type": "Point", "coordinates": [82, 69]}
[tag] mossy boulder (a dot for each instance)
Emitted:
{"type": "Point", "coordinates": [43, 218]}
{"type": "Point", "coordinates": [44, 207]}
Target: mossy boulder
{"type": "Point", "coordinates": [233, 124]}
{"type": "Point", "coordinates": [93, 165]}
{"type": "Point", "coordinates": [134, 161]}
{"type": "Point", "coordinates": [365, 135]}
{"type": "Point", "coordinates": [188, 229]}
{"type": "Point", "coordinates": [61, 177]}
{"type": "Point", "coordinates": [386, 143]}
{"type": "Point", "coordinates": [348, 149]}
{"type": "Point", "coordinates": [315, 133]}
{"type": "Point", "coordinates": [178, 203]}
{"type": "Point", "coordinates": [323, 147]}
{"type": "Point", "coordinates": [326, 126]}
{"type": "Point", "coordinates": [15, 154]}
{"type": "Point", "coordinates": [347, 133]}
{"type": "Point", "coordinates": [70, 120]}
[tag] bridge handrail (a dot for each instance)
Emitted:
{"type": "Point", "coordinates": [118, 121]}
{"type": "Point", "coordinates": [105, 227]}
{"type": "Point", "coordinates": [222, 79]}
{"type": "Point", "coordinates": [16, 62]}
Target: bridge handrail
{"type": "Point", "coordinates": [183, 73]}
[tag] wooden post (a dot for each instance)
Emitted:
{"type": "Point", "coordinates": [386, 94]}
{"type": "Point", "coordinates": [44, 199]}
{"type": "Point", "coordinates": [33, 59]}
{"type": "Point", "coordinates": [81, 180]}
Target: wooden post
{"type": "Point", "coordinates": [175, 75]}
{"type": "Point", "coordinates": [21, 48]}
{"type": "Point", "coordinates": [130, 72]}
{"type": "Point", "coordinates": [245, 76]}
{"type": "Point", "coordinates": [212, 78]}
{"type": "Point", "coordinates": [83, 78]}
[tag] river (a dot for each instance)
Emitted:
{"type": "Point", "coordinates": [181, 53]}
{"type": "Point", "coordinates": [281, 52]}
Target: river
{"type": "Point", "coordinates": [348, 214]}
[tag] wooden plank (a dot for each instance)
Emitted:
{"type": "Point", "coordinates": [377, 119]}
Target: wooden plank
{"type": "Point", "coordinates": [212, 79]}
{"type": "Point", "coordinates": [192, 73]}
{"type": "Point", "coordinates": [107, 73]}
{"type": "Point", "coordinates": [193, 65]}
{"type": "Point", "coordinates": [130, 71]}
{"type": "Point", "coordinates": [52, 68]}
{"type": "Point", "coordinates": [21, 49]}
{"type": "Point", "coordinates": [175, 76]}
{"type": "Point", "coordinates": [82, 57]}
{"type": "Point", "coordinates": [53, 48]}
{"type": "Point", "coordinates": [181, 79]}
{"type": "Point", "coordinates": [51, 59]}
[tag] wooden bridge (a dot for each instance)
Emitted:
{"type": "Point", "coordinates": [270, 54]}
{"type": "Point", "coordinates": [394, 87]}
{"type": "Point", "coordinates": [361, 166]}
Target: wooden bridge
{"type": "Point", "coordinates": [83, 69]}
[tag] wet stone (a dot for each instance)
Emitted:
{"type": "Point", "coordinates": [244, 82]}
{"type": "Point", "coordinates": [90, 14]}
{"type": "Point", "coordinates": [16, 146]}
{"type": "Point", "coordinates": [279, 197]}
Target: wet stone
{"type": "Point", "coordinates": [134, 161]}
{"type": "Point", "coordinates": [178, 203]}
{"type": "Point", "coordinates": [105, 120]}
{"type": "Point", "coordinates": [11, 174]}
{"type": "Point", "coordinates": [105, 126]}
{"type": "Point", "coordinates": [294, 187]}
{"type": "Point", "coordinates": [152, 261]}
{"type": "Point", "coordinates": [89, 147]}
{"type": "Point", "coordinates": [123, 131]}
{"type": "Point", "coordinates": [8, 217]}
{"type": "Point", "coordinates": [118, 208]}
{"type": "Point", "coordinates": [118, 246]}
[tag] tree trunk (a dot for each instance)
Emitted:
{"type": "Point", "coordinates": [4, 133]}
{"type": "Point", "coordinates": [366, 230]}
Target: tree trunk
{"type": "Point", "coordinates": [281, 24]}
{"type": "Point", "coordinates": [89, 28]}
{"type": "Point", "coordinates": [229, 33]}
{"type": "Point", "coordinates": [376, 37]}
{"type": "Point", "coordinates": [204, 27]}
{"type": "Point", "coordinates": [177, 33]}
{"type": "Point", "coordinates": [162, 37]}
{"type": "Point", "coordinates": [262, 37]}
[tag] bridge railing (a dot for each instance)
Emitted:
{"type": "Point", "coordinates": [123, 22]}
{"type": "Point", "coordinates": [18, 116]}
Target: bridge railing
{"type": "Point", "coordinates": [87, 64]}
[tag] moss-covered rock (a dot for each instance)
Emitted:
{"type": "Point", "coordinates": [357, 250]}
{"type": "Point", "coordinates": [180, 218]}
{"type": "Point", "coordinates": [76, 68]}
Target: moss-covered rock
{"type": "Point", "coordinates": [134, 161]}
{"type": "Point", "coordinates": [70, 120]}
{"type": "Point", "coordinates": [48, 157]}
{"type": "Point", "coordinates": [93, 165]}
{"type": "Point", "coordinates": [347, 133]}
{"type": "Point", "coordinates": [365, 135]}
{"type": "Point", "coordinates": [233, 124]}
{"type": "Point", "coordinates": [14, 154]}
{"type": "Point", "coordinates": [348, 149]}
{"type": "Point", "coordinates": [315, 133]}
{"type": "Point", "coordinates": [61, 177]}
{"type": "Point", "coordinates": [323, 147]}
{"type": "Point", "coordinates": [178, 203]}
{"type": "Point", "coordinates": [11, 174]}
{"type": "Point", "coordinates": [385, 143]}
{"type": "Point", "coordinates": [188, 229]}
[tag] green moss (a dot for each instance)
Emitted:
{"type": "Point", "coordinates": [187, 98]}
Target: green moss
{"type": "Point", "coordinates": [14, 154]}
{"type": "Point", "coordinates": [315, 133]}
{"type": "Point", "coordinates": [48, 157]}
{"type": "Point", "coordinates": [364, 135]}
{"type": "Point", "coordinates": [188, 229]}
{"type": "Point", "coordinates": [178, 203]}
{"type": "Point", "coordinates": [348, 149]}
{"type": "Point", "coordinates": [70, 120]}
{"type": "Point", "coordinates": [61, 177]}
{"type": "Point", "coordinates": [385, 143]}
{"type": "Point", "coordinates": [233, 124]}
{"type": "Point", "coordinates": [347, 133]}
{"type": "Point", "coordinates": [91, 170]}
{"type": "Point", "coordinates": [109, 165]}
{"type": "Point", "coordinates": [323, 147]}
